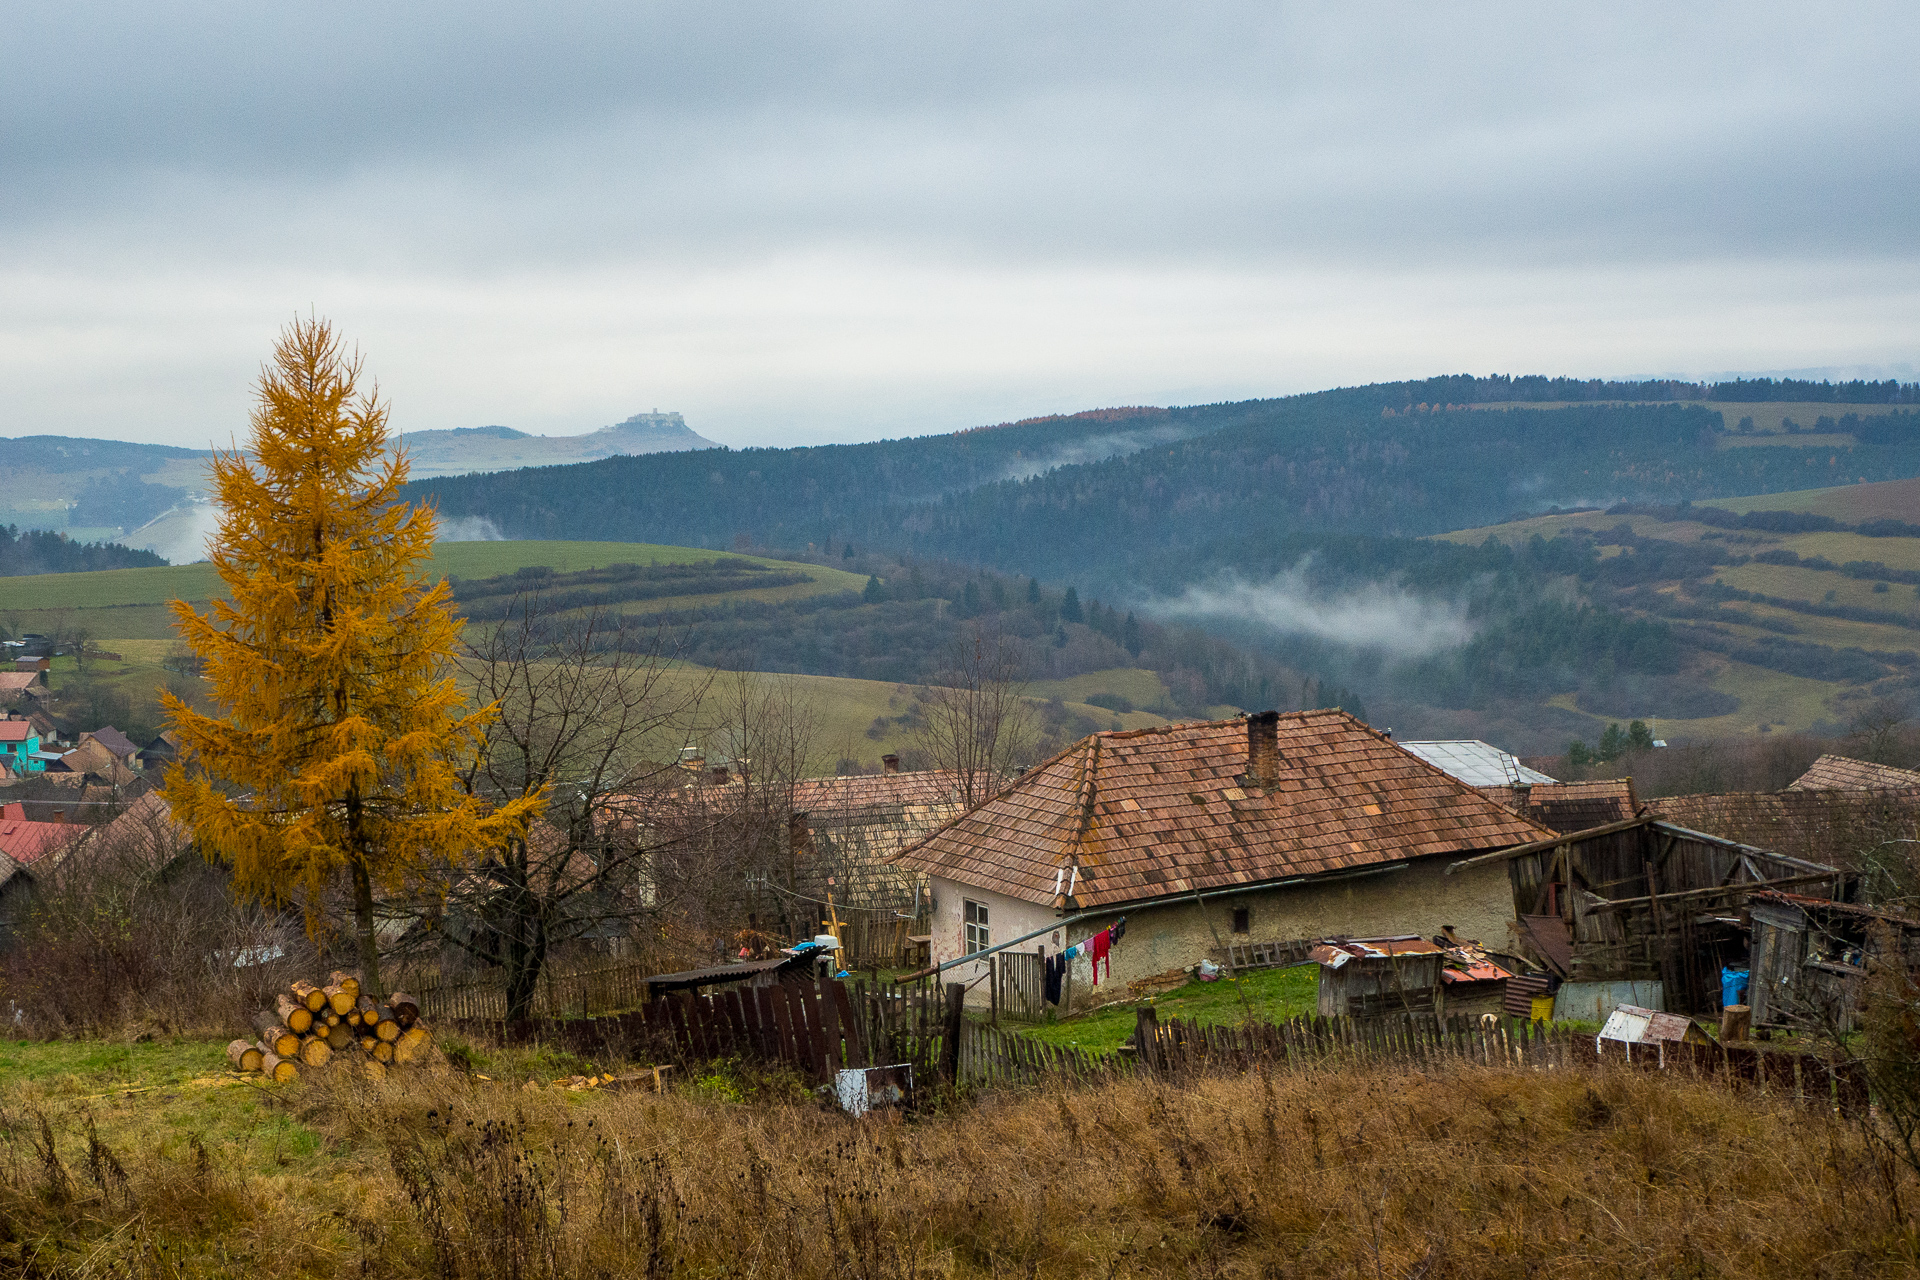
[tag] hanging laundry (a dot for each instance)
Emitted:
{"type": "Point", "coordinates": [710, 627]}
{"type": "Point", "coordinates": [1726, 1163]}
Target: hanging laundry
{"type": "Point", "coordinates": [1056, 972]}
{"type": "Point", "coordinates": [1097, 947]}
{"type": "Point", "coordinates": [1116, 931]}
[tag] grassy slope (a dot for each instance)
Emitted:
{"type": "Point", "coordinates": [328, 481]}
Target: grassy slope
{"type": "Point", "coordinates": [126, 611]}
{"type": "Point", "coordinates": [199, 582]}
{"type": "Point", "coordinates": [1271, 995]}
{"type": "Point", "coordinates": [1770, 697]}
{"type": "Point", "coordinates": [1884, 499]}
{"type": "Point", "coordinates": [1349, 1171]}
{"type": "Point", "coordinates": [1768, 420]}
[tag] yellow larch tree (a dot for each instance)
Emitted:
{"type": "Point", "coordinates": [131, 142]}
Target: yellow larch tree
{"type": "Point", "coordinates": [343, 728]}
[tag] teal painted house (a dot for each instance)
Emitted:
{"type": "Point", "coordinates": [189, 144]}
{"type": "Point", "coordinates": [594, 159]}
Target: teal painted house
{"type": "Point", "coordinates": [20, 746]}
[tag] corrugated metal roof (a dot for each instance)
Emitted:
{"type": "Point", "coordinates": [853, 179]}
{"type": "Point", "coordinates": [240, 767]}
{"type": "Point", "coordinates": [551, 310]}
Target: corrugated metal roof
{"type": "Point", "coordinates": [1476, 763]}
{"type": "Point", "coordinates": [1335, 952]}
{"type": "Point", "coordinates": [1631, 1024]}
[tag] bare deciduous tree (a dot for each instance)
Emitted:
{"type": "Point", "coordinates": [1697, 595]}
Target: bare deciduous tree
{"type": "Point", "coordinates": [592, 714]}
{"type": "Point", "coordinates": [978, 721]}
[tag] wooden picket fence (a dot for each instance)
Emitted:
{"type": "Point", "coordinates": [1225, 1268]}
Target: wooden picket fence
{"type": "Point", "coordinates": [583, 993]}
{"type": "Point", "coordinates": [820, 1026]}
{"type": "Point", "coordinates": [1179, 1050]}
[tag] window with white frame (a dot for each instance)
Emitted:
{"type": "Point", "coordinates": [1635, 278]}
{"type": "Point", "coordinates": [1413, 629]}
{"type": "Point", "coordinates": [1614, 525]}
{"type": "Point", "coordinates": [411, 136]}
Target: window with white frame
{"type": "Point", "coordinates": [976, 925]}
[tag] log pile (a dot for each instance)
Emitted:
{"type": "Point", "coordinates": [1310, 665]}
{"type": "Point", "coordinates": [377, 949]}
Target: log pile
{"type": "Point", "coordinates": [333, 1027]}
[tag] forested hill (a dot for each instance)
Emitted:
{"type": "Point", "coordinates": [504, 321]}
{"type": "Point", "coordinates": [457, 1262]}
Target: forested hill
{"type": "Point", "coordinates": [1090, 497]}
{"type": "Point", "coordinates": [42, 551]}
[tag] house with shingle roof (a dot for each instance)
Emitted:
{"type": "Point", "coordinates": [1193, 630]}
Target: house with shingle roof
{"type": "Point", "coordinates": [1841, 773]}
{"type": "Point", "coordinates": [19, 685]}
{"type": "Point", "coordinates": [1261, 828]}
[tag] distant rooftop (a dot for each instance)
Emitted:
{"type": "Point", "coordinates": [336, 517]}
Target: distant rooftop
{"type": "Point", "coordinates": [1476, 763]}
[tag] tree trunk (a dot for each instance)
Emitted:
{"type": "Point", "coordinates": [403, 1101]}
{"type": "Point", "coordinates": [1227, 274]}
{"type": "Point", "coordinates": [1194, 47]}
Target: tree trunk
{"type": "Point", "coordinates": [363, 917]}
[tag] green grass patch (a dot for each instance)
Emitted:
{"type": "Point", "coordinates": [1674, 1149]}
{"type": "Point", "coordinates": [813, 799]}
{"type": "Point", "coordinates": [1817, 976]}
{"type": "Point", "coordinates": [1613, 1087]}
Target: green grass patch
{"type": "Point", "coordinates": [200, 582]}
{"type": "Point", "coordinates": [1260, 995]}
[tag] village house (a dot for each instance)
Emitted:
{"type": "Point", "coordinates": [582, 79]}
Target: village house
{"type": "Point", "coordinates": [27, 848]}
{"type": "Point", "coordinates": [21, 687]}
{"type": "Point", "coordinates": [1841, 773]}
{"type": "Point", "coordinates": [20, 747]}
{"type": "Point", "coordinates": [1277, 828]}
{"type": "Point", "coordinates": [1476, 763]}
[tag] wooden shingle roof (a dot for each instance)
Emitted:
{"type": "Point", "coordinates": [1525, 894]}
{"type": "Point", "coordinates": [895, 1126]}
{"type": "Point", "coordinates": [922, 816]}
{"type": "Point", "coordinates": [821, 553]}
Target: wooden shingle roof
{"type": "Point", "coordinates": [1841, 773]}
{"type": "Point", "coordinates": [1156, 813]}
{"type": "Point", "coordinates": [1570, 806]}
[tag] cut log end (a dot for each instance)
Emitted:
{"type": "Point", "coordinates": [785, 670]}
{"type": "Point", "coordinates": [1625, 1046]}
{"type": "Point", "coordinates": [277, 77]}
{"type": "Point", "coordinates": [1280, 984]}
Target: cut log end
{"type": "Point", "coordinates": [316, 1052]}
{"type": "Point", "coordinates": [244, 1056]}
{"type": "Point", "coordinates": [278, 1069]}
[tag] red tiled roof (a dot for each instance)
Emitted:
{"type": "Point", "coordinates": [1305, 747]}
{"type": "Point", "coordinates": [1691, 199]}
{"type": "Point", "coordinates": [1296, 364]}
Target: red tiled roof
{"type": "Point", "coordinates": [27, 842]}
{"type": "Point", "coordinates": [1839, 773]}
{"type": "Point", "coordinates": [1156, 813]}
{"type": "Point", "coordinates": [1570, 806]}
{"type": "Point", "coordinates": [18, 679]}
{"type": "Point", "coordinates": [15, 731]}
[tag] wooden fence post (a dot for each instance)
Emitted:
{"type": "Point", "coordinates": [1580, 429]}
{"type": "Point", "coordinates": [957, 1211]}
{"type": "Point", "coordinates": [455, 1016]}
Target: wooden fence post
{"type": "Point", "coordinates": [950, 1049]}
{"type": "Point", "coordinates": [1146, 1038]}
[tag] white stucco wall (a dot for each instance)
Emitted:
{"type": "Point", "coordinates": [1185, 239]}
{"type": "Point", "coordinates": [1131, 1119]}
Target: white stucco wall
{"type": "Point", "coordinates": [1477, 902]}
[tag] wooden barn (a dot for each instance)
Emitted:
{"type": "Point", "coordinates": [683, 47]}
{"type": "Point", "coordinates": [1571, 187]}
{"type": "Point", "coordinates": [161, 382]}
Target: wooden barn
{"type": "Point", "coordinates": [1645, 900]}
{"type": "Point", "coordinates": [1810, 957]}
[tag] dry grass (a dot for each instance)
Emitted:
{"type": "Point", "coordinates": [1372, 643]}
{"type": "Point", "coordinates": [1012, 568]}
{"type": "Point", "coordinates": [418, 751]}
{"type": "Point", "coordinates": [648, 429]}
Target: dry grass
{"type": "Point", "coordinates": [1364, 1173]}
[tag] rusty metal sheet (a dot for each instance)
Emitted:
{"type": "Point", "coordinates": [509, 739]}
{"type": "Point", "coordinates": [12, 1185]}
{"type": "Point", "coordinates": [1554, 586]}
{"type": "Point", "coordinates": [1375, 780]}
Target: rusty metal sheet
{"type": "Point", "coordinates": [1550, 940]}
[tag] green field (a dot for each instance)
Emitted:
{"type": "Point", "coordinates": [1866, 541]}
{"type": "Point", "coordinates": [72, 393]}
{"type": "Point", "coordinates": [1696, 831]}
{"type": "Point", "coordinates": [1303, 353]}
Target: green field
{"type": "Point", "coordinates": [1270, 995]}
{"type": "Point", "coordinates": [1768, 697]}
{"type": "Point", "coordinates": [1769, 420]}
{"type": "Point", "coordinates": [199, 582]}
{"type": "Point", "coordinates": [1852, 503]}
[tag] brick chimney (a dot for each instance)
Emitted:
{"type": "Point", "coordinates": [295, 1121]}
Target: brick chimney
{"type": "Point", "coordinates": [890, 763]}
{"type": "Point", "coordinates": [1263, 748]}
{"type": "Point", "coordinates": [1522, 795]}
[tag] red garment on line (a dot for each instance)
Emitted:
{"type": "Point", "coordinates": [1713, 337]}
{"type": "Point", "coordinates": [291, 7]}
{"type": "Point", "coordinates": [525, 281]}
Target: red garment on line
{"type": "Point", "coordinates": [1099, 943]}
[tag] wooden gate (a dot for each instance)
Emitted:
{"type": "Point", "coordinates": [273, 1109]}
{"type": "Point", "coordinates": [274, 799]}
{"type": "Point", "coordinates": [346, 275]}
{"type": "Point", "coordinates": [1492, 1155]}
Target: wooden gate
{"type": "Point", "coordinates": [1019, 986]}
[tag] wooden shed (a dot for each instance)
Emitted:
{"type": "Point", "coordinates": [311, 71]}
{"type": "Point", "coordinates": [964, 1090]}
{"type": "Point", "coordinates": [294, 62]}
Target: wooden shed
{"type": "Point", "coordinates": [1646, 900]}
{"type": "Point", "coordinates": [1379, 977]}
{"type": "Point", "coordinates": [1810, 957]}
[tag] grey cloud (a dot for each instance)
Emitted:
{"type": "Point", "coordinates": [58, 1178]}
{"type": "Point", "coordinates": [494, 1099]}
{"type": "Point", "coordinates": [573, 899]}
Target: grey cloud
{"type": "Point", "coordinates": [840, 220]}
{"type": "Point", "coordinates": [1382, 616]}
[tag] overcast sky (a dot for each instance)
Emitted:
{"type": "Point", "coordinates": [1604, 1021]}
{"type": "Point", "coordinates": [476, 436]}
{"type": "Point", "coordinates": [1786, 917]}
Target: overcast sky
{"type": "Point", "coordinates": [799, 223]}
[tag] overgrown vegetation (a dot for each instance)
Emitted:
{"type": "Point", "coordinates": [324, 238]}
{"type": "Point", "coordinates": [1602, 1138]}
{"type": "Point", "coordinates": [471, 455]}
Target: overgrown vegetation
{"type": "Point", "coordinates": [1364, 1172]}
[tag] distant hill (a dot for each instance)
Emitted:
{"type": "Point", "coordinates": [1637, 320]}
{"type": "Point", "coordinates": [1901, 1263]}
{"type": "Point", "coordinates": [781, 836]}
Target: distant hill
{"type": "Point", "coordinates": [1090, 500]}
{"type": "Point", "coordinates": [464, 449]}
{"type": "Point", "coordinates": [152, 496]}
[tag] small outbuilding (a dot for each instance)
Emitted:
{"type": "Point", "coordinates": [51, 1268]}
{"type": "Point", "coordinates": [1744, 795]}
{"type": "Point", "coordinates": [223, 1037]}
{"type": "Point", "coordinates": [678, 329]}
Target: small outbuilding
{"type": "Point", "coordinates": [1810, 957]}
{"type": "Point", "coordinates": [1379, 977]}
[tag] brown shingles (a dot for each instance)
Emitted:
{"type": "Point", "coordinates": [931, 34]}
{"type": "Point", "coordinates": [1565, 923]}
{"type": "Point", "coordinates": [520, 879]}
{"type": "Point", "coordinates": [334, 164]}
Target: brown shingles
{"type": "Point", "coordinates": [1841, 773]}
{"type": "Point", "coordinates": [1346, 797]}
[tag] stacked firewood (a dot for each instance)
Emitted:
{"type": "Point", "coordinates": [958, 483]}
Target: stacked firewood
{"type": "Point", "coordinates": [334, 1026]}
